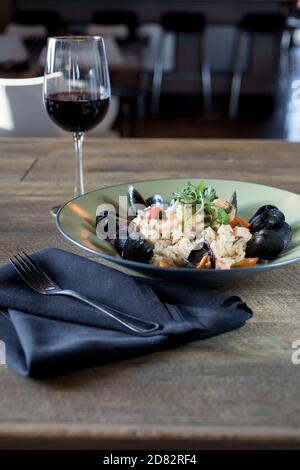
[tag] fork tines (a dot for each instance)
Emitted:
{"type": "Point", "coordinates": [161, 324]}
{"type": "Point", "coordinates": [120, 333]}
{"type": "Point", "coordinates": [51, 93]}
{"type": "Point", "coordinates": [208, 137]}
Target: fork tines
{"type": "Point", "coordinates": [30, 272]}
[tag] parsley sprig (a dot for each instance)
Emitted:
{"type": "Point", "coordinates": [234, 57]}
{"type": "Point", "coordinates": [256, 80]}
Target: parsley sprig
{"type": "Point", "coordinates": [223, 217]}
{"type": "Point", "coordinates": [197, 195]}
{"type": "Point", "coordinates": [201, 197]}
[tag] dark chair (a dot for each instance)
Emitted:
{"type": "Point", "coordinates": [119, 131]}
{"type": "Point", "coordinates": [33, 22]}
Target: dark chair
{"type": "Point", "coordinates": [253, 23]}
{"type": "Point", "coordinates": [50, 19]}
{"type": "Point", "coordinates": [114, 17]}
{"type": "Point", "coordinates": [182, 23]}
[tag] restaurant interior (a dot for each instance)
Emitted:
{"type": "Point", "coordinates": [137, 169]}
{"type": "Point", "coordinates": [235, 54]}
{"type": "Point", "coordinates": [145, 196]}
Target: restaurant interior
{"type": "Point", "coordinates": [195, 69]}
{"type": "Point", "coordinates": [152, 336]}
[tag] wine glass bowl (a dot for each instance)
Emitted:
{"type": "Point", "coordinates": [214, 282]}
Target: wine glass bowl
{"type": "Point", "coordinates": [76, 89]}
{"type": "Point", "coordinates": [76, 112]}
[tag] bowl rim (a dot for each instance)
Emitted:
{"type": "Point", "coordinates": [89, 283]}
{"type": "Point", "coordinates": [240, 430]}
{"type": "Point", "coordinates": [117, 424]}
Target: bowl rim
{"type": "Point", "coordinates": [151, 268]}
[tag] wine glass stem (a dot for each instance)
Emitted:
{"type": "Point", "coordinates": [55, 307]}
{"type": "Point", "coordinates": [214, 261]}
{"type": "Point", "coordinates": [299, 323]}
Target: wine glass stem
{"type": "Point", "coordinates": [78, 143]}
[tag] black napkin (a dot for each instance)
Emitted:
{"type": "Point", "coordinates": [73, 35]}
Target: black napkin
{"type": "Point", "coordinates": [49, 335]}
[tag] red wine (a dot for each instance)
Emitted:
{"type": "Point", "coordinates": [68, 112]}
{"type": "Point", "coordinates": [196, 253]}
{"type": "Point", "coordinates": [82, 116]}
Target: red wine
{"type": "Point", "coordinates": [76, 111]}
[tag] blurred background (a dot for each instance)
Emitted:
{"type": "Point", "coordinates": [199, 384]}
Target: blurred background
{"type": "Point", "coordinates": [192, 68]}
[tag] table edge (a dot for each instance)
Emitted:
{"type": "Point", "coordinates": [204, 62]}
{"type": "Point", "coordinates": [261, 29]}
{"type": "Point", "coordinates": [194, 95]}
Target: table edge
{"type": "Point", "coordinates": [91, 435]}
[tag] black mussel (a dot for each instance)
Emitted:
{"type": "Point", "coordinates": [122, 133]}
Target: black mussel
{"type": "Point", "coordinates": [265, 218]}
{"type": "Point", "coordinates": [135, 200]}
{"type": "Point", "coordinates": [233, 199]}
{"type": "Point", "coordinates": [284, 230]}
{"type": "Point", "coordinates": [120, 240]}
{"type": "Point", "coordinates": [109, 226]}
{"type": "Point", "coordinates": [198, 253]}
{"type": "Point", "coordinates": [102, 219]}
{"type": "Point", "coordinates": [262, 209]}
{"type": "Point", "coordinates": [265, 245]}
{"type": "Point", "coordinates": [155, 200]}
{"type": "Point", "coordinates": [187, 264]}
{"type": "Point", "coordinates": [137, 249]}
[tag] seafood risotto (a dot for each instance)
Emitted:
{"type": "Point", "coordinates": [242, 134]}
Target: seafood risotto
{"type": "Point", "coordinates": [195, 229]}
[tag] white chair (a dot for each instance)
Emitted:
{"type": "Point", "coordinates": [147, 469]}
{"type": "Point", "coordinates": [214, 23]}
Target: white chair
{"type": "Point", "coordinates": [117, 31]}
{"type": "Point", "coordinates": [37, 31]}
{"type": "Point", "coordinates": [12, 50]}
{"type": "Point", "coordinates": [23, 114]}
{"type": "Point", "coordinates": [150, 51]}
{"type": "Point", "coordinates": [110, 33]}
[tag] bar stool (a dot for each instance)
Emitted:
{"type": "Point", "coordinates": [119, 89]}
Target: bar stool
{"type": "Point", "coordinates": [50, 19]}
{"type": "Point", "coordinates": [181, 23]}
{"type": "Point", "coordinates": [262, 23]}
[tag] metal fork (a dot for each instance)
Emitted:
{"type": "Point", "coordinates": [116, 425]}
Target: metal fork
{"type": "Point", "coordinates": [38, 280]}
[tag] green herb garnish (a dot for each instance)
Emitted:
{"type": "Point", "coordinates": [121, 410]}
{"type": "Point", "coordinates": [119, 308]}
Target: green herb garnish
{"type": "Point", "coordinates": [197, 195]}
{"type": "Point", "coordinates": [223, 217]}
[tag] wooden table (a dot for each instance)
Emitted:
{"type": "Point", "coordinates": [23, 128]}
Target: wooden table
{"type": "Point", "coordinates": [240, 389]}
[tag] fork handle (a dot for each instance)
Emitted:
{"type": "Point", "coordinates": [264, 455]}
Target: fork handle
{"type": "Point", "coordinates": [134, 324]}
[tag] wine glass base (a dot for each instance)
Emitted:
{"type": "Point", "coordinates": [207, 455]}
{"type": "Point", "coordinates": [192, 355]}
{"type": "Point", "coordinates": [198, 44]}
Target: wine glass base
{"type": "Point", "coordinates": [54, 211]}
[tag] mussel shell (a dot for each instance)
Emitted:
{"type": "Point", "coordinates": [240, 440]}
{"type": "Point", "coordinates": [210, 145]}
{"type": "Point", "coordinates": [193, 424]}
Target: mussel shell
{"type": "Point", "coordinates": [262, 209]}
{"type": "Point", "coordinates": [135, 199]}
{"type": "Point", "coordinates": [102, 221]}
{"type": "Point", "coordinates": [155, 200]}
{"type": "Point", "coordinates": [265, 218]}
{"type": "Point", "coordinates": [233, 200]}
{"type": "Point", "coordinates": [285, 231]}
{"type": "Point", "coordinates": [265, 245]}
{"type": "Point", "coordinates": [137, 249]}
{"type": "Point", "coordinates": [187, 264]}
{"type": "Point", "coordinates": [197, 254]}
{"type": "Point", "coordinates": [120, 240]}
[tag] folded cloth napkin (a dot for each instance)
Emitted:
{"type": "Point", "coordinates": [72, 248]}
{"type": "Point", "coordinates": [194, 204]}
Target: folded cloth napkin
{"type": "Point", "coordinates": [50, 335]}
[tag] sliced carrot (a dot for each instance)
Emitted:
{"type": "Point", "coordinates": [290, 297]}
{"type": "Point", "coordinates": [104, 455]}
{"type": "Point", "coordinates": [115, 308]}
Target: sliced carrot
{"type": "Point", "coordinates": [239, 220]}
{"type": "Point", "coordinates": [164, 263]}
{"type": "Point", "coordinates": [246, 262]}
{"type": "Point", "coordinates": [204, 263]}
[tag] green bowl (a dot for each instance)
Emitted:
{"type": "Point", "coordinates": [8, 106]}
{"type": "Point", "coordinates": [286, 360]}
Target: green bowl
{"type": "Point", "coordinates": [76, 222]}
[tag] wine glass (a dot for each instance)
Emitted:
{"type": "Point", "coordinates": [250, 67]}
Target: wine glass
{"type": "Point", "coordinates": [76, 89]}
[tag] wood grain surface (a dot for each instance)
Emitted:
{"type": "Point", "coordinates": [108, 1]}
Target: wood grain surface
{"type": "Point", "coordinates": [237, 390]}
